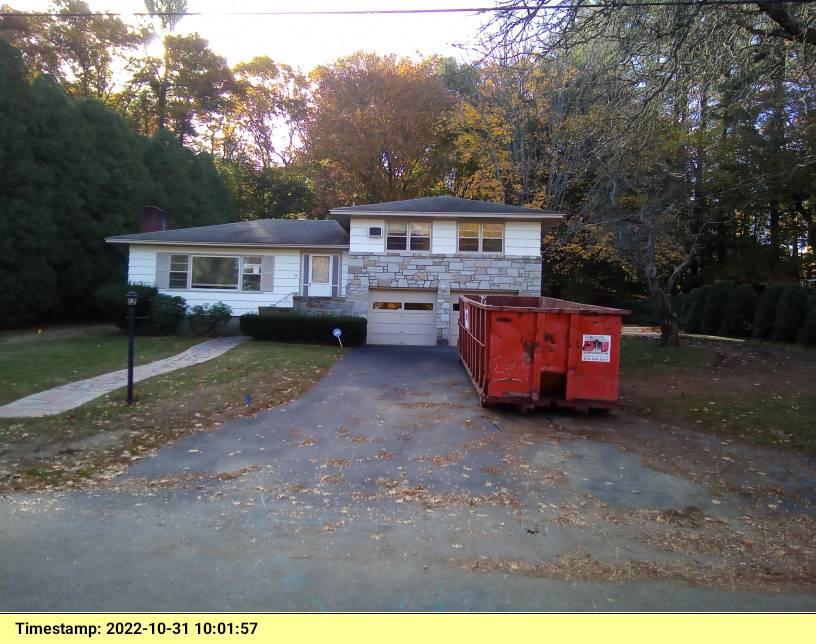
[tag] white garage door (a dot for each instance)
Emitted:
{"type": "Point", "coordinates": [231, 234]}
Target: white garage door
{"type": "Point", "coordinates": [453, 333]}
{"type": "Point", "coordinates": [402, 317]}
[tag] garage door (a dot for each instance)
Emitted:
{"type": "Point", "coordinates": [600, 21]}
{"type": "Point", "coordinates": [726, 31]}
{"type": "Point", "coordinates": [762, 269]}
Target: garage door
{"type": "Point", "coordinates": [402, 317]}
{"type": "Point", "coordinates": [453, 333]}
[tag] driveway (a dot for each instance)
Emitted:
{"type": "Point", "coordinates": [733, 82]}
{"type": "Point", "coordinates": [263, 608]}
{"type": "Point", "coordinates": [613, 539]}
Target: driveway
{"type": "Point", "coordinates": [387, 487]}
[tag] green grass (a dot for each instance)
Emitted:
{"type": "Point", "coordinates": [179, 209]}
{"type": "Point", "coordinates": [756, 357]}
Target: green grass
{"type": "Point", "coordinates": [30, 363]}
{"type": "Point", "coordinates": [646, 353]}
{"type": "Point", "coordinates": [80, 442]}
{"type": "Point", "coordinates": [757, 392]}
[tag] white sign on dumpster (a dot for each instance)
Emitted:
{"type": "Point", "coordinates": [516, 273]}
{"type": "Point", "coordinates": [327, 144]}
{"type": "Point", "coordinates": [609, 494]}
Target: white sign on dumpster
{"type": "Point", "coordinates": [596, 348]}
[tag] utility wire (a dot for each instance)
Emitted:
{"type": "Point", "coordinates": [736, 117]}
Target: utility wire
{"type": "Point", "coordinates": [385, 12]}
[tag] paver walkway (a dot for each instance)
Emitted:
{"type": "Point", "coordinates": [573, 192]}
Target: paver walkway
{"type": "Point", "coordinates": [60, 399]}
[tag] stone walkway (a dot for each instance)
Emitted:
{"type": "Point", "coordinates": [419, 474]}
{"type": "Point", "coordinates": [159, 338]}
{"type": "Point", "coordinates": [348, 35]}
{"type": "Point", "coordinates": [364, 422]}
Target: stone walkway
{"type": "Point", "coordinates": [60, 399]}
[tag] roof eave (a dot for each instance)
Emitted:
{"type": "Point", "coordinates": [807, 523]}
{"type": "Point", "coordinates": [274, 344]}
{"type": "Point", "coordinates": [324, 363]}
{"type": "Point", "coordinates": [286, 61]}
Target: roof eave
{"type": "Point", "coordinates": [340, 214]}
{"type": "Point", "coordinates": [153, 242]}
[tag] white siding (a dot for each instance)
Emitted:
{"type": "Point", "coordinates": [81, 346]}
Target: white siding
{"type": "Point", "coordinates": [142, 270]}
{"type": "Point", "coordinates": [522, 238]}
{"type": "Point", "coordinates": [360, 242]}
{"type": "Point", "coordinates": [142, 266]}
{"type": "Point", "coordinates": [444, 237]}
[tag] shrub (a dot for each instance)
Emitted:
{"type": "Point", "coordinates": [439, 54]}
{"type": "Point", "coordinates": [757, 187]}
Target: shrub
{"type": "Point", "coordinates": [717, 299]}
{"type": "Point", "coordinates": [697, 303]}
{"type": "Point", "coordinates": [791, 311]}
{"type": "Point", "coordinates": [807, 334]}
{"type": "Point", "coordinates": [738, 319]}
{"type": "Point", "coordinates": [766, 311]}
{"type": "Point", "coordinates": [111, 300]}
{"type": "Point", "coordinates": [286, 326]}
{"type": "Point", "coordinates": [166, 312]}
{"type": "Point", "coordinates": [207, 319]}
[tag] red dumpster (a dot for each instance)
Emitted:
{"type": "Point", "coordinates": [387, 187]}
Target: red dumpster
{"type": "Point", "coordinates": [540, 350]}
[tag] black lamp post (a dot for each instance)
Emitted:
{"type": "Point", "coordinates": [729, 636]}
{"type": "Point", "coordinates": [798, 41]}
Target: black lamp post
{"type": "Point", "coordinates": [132, 298]}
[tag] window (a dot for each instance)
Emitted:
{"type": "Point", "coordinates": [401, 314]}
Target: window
{"type": "Point", "coordinates": [320, 269]}
{"type": "Point", "coordinates": [418, 306]}
{"type": "Point", "coordinates": [492, 238]}
{"type": "Point", "coordinates": [215, 272]}
{"type": "Point", "coordinates": [414, 236]}
{"type": "Point", "coordinates": [420, 237]}
{"type": "Point", "coordinates": [481, 238]}
{"type": "Point", "coordinates": [251, 273]}
{"type": "Point", "coordinates": [469, 238]}
{"type": "Point", "coordinates": [387, 306]}
{"type": "Point", "coordinates": [179, 269]}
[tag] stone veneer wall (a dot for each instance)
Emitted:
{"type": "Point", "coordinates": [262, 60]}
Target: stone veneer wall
{"type": "Point", "coordinates": [445, 273]}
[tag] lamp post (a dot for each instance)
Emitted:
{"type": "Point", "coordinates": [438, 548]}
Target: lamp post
{"type": "Point", "coordinates": [132, 298]}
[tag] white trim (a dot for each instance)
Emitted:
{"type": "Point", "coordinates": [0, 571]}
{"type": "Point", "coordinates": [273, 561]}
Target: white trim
{"type": "Point", "coordinates": [150, 242]}
{"type": "Point", "coordinates": [451, 215]}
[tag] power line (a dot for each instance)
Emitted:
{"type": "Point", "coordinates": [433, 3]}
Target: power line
{"type": "Point", "coordinates": [387, 12]}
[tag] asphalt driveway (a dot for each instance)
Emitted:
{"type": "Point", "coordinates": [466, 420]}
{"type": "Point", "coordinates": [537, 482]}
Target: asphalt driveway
{"type": "Point", "coordinates": [387, 487]}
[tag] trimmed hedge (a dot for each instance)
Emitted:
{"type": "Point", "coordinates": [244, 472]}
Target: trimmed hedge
{"type": "Point", "coordinates": [766, 311]}
{"type": "Point", "coordinates": [791, 311]}
{"type": "Point", "coordinates": [807, 334]}
{"type": "Point", "coordinates": [696, 305]}
{"type": "Point", "coordinates": [285, 326]}
{"type": "Point", "coordinates": [111, 299]}
{"type": "Point", "coordinates": [738, 319]}
{"type": "Point", "coordinates": [717, 300]}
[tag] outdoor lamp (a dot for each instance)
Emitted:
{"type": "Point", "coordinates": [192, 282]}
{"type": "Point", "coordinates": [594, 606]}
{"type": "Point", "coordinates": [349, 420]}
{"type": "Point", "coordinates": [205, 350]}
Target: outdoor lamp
{"type": "Point", "coordinates": [132, 298]}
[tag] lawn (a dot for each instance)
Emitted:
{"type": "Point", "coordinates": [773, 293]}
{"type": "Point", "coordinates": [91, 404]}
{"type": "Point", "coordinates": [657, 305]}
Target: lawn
{"type": "Point", "coordinates": [31, 362]}
{"type": "Point", "coordinates": [76, 446]}
{"type": "Point", "coordinates": [757, 392]}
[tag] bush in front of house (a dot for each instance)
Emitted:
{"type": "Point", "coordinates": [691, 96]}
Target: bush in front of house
{"type": "Point", "coordinates": [717, 300]}
{"type": "Point", "coordinates": [111, 300]}
{"type": "Point", "coordinates": [286, 326]}
{"type": "Point", "coordinates": [696, 305]}
{"type": "Point", "coordinates": [208, 319]}
{"type": "Point", "coordinates": [166, 313]}
{"type": "Point", "coordinates": [738, 319]}
{"type": "Point", "coordinates": [766, 311]}
{"type": "Point", "coordinates": [791, 311]}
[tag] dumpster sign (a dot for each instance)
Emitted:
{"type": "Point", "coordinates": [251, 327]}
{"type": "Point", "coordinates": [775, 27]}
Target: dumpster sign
{"type": "Point", "coordinates": [596, 348]}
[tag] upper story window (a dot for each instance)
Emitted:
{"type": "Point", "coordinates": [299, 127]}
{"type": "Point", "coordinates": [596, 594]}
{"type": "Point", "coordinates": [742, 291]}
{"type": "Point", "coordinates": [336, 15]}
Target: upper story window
{"type": "Point", "coordinates": [481, 238]}
{"type": "Point", "coordinates": [408, 236]}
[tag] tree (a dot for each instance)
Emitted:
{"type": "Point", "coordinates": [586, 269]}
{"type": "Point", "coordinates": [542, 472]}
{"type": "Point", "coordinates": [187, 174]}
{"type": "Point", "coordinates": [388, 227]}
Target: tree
{"type": "Point", "coordinates": [372, 133]}
{"type": "Point", "coordinates": [79, 51]}
{"type": "Point", "coordinates": [270, 192]}
{"type": "Point", "coordinates": [270, 107]}
{"type": "Point", "coordinates": [180, 93]}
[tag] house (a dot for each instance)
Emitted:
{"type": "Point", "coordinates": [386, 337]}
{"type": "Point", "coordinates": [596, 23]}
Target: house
{"type": "Point", "coordinates": [401, 264]}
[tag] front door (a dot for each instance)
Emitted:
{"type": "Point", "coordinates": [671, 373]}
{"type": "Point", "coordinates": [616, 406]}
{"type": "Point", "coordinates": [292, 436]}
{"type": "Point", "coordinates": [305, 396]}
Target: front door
{"type": "Point", "coordinates": [320, 276]}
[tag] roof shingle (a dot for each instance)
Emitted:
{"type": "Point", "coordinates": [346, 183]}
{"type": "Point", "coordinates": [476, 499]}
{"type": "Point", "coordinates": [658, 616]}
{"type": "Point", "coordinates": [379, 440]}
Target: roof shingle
{"type": "Point", "coordinates": [261, 232]}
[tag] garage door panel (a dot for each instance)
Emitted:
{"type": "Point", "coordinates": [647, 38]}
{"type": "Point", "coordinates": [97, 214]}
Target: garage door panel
{"type": "Point", "coordinates": [391, 324]}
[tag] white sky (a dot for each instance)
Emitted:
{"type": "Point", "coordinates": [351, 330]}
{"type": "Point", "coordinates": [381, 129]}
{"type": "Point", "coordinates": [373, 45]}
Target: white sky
{"type": "Point", "coordinates": [307, 41]}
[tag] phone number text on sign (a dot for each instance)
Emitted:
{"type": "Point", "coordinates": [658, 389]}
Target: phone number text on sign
{"type": "Point", "coordinates": [596, 348]}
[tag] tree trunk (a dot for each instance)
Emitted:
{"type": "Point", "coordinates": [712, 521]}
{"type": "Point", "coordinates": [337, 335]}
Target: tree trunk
{"type": "Point", "coordinates": [669, 332]}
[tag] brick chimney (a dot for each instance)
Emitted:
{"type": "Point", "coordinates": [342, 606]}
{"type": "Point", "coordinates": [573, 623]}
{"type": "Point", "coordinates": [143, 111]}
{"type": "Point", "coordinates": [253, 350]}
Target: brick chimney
{"type": "Point", "coordinates": [153, 219]}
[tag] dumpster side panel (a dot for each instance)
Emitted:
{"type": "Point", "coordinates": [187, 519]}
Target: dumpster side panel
{"type": "Point", "coordinates": [512, 348]}
{"type": "Point", "coordinates": [594, 357]}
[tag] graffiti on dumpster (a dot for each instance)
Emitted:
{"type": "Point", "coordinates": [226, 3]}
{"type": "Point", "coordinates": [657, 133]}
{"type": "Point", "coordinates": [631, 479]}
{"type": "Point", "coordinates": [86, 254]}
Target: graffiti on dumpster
{"type": "Point", "coordinates": [596, 348]}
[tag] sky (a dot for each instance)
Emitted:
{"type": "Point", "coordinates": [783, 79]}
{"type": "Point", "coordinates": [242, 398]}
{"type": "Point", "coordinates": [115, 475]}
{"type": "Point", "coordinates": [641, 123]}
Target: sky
{"type": "Point", "coordinates": [307, 41]}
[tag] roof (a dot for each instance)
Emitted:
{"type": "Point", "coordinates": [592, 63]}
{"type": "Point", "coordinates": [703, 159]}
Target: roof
{"type": "Point", "coordinates": [260, 232]}
{"type": "Point", "coordinates": [445, 205]}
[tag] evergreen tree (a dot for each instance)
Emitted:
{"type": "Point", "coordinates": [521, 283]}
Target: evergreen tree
{"type": "Point", "coordinates": [718, 299]}
{"type": "Point", "coordinates": [791, 311]}
{"type": "Point", "coordinates": [738, 319]}
{"type": "Point", "coordinates": [766, 311]}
